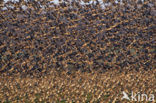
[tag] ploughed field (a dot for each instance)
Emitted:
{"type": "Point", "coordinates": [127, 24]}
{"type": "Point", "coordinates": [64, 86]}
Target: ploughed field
{"type": "Point", "coordinates": [83, 52]}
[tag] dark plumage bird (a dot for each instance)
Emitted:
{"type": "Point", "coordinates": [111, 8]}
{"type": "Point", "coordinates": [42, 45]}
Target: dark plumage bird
{"type": "Point", "coordinates": [45, 36]}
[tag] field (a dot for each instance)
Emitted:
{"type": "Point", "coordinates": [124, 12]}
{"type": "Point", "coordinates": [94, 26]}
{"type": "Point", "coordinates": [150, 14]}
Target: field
{"type": "Point", "coordinates": [77, 87]}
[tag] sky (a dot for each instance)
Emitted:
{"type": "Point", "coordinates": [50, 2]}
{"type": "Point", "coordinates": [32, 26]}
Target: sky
{"type": "Point", "coordinates": [57, 1]}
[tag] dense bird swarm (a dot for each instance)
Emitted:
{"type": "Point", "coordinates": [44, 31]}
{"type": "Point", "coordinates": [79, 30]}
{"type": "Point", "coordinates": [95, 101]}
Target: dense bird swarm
{"type": "Point", "coordinates": [37, 36]}
{"type": "Point", "coordinates": [73, 53]}
{"type": "Point", "coordinates": [78, 88]}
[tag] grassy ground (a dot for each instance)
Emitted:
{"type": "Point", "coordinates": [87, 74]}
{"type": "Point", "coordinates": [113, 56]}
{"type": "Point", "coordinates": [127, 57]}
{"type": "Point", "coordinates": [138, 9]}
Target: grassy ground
{"type": "Point", "coordinates": [77, 87]}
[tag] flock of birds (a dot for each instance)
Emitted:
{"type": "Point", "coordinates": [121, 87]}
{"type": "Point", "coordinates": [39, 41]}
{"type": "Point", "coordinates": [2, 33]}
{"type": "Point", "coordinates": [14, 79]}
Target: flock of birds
{"type": "Point", "coordinates": [70, 36]}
